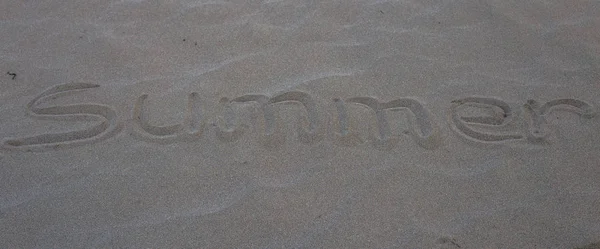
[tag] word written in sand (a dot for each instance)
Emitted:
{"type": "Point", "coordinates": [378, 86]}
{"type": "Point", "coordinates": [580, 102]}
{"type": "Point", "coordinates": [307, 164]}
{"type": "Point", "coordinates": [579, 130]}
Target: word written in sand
{"type": "Point", "coordinates": [493, 127]}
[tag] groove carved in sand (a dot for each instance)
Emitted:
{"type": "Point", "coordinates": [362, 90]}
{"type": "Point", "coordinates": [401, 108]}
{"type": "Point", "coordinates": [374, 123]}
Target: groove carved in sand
{"type": "Point", "coordinates": [270, 137]}
{"type": "Point", "coordinates": [424, 131]}
{"type": "Point", "coordinates": [107, 127]}
{"type": "Point", "coordinates": [478, 128]}
{"type": "Point", "coordinates": [537, 114]}
{"type": "Point", "coordinates": [191, 128]}
{"type": "Point", "coordinates": [468, 126]}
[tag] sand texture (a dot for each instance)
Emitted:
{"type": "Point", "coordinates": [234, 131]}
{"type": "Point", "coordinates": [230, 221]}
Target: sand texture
{"type": "Point", "coordinates": [299, 124]}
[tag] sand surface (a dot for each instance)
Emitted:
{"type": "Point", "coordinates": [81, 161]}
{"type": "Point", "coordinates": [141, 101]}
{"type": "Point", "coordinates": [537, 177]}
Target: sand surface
{"type": "Point", "coordinates": [299, 124]}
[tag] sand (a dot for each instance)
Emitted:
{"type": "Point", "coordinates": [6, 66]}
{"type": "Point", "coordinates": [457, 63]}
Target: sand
{"type": "Point", "coordinates": [299, 124]}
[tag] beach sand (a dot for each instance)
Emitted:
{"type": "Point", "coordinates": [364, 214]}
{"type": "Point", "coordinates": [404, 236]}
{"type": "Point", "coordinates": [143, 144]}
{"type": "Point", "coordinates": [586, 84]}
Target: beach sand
{"type": "Point", "coordinates": [299, 124]}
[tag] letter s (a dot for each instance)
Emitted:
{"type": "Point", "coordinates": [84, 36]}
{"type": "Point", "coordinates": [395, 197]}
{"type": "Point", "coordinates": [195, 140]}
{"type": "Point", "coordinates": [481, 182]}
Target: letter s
{"type": "Point", "coordinates": [108, 126]}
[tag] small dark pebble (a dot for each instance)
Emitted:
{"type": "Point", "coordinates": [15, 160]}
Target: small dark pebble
{"type": "Point", "coordinates": [14, 75]}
